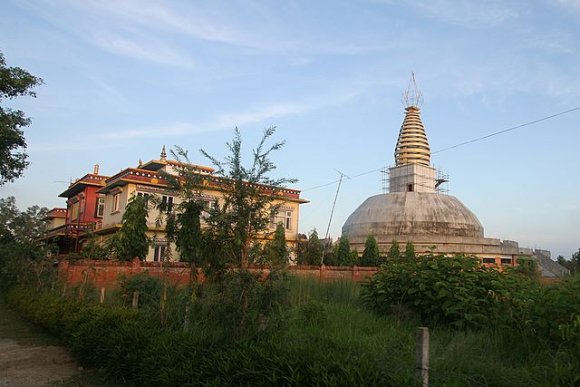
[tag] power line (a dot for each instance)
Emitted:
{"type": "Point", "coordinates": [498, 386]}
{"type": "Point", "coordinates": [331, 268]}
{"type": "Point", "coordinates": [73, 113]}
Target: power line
{"type": "Point", "coordinates": [458, 145]}
{"type": "Point", "coordinates": [506, 130]}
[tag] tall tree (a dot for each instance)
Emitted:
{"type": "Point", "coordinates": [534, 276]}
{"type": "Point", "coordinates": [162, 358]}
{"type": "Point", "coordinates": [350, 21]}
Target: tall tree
{"type": "Point", "coordinates": [184, 223]}
{"type": "Point", "coordinates": [394, 251]}
{"type": "Point", "coordinates": [22, 228]}
{"type": "Point", "coordinates": [249, 195]}
{"type": "Point", "coordinates": [343, 255]}
{"type": "Point", "coordinates": [131, 241]}
{"type": "Point", "coordinates": [371, 255]}
{"type": "Point", "coordinates": [276, 250]}
{"type": "Point", "coordinates": [410, 251]}
{"type": "Point", "coordinates": [14, 82]}
{"type": "Point", "coordinates": [314, 249]}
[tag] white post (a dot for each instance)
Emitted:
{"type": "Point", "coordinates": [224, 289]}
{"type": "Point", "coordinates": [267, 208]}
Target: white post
{"type": "Point", "coordinates": [422, 353]}
{"type": "Point", "coordinates": [102, 299]}
{"type": "Point", "coordinates": [135, 299]}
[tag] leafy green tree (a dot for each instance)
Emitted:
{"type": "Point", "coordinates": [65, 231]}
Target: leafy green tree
{"type": "Point", "coordinates": [21, 252]}
{"type": "Point", "coordinates": [249, 196]}
{"type": "Point", "coordinates": [14, 82]}
{"type": "Point", "coordinates": [131, 241]}
{"type": "Point", "coordinates": [343, 254]}
{"type": "Point", "coordinates": [394, 251]}
{"type": "Point", "coordinates": [184, 221]}
{"type": "Point", "coordinates": [575, 262]}
{"type": "Point", "coordinates": [526, 267]}
{"type": "Point", "coordinates": [309, 252]}
{"type": "Point", "coordinates": [93, 249]}
{"type": "Point", "coordinates": [276, 250]}
{"type": "Point", "coordinates": [371, 255]}
{"type": "Point", "coordinates": [410, 251]}
{"type": "Point", "coordinates": [22, 228]}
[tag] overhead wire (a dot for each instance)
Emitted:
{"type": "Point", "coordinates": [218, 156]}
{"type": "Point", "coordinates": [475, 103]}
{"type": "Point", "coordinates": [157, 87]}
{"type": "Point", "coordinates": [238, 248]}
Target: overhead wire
{"type": "Point", "coordinates": [458, 145]}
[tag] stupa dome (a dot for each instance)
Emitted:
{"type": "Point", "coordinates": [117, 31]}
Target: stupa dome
{"type": "Point", "coordinates": [387, 217]}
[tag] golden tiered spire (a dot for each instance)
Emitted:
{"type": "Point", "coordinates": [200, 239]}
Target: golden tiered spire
{"type": "Point", "coordinates": [412, 146]}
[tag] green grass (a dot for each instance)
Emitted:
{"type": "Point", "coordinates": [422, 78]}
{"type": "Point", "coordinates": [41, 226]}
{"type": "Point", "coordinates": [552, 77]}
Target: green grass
{"type": "Point", "coordinates": [323, 337]}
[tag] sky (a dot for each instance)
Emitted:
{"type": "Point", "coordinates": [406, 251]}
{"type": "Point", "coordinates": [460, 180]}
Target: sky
{"type": "Point", "coordinates": [124, 78]}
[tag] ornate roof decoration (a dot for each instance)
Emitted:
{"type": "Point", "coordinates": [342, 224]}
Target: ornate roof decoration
{"type": "Point", "coordinates": [412, 146]}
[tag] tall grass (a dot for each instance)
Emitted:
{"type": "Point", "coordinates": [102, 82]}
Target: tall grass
{"type": "Point", "coordinates": [307, 289]}
{"type": "Point", "coordinates": [323, 336]}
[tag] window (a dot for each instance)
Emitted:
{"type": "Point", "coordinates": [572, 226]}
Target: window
{"type": "Point", "coordinates": [143, 195]}
{"type": "Point", "coordinates": [284, 218]}
{"type": "Point", "coordinates": [74, 211]}
{"type": "Point", "coordinates": [410, 187]}
{"type": "Point", "coordinates": [488, 260]}
{"type": "Point", "coordinates": [506, 261]}
{"type": "Point", "coordinates": [288, 223]}
{"type": "Point", "coordinates": [100, 209]}
{"type": "Point", "coordinates": [159, 253]}
{"type": "Point", "coordinates": [116, 202]}
{"type": "Point", "coordinates": [167, 203]}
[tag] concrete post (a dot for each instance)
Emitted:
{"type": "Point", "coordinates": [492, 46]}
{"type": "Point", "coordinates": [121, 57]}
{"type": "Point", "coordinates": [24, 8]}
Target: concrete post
{"type": "Point", "coordinates": [422, 353]}
{"type": "Point", "coordinates": [135, 303]}
{"type": "Point", "coordinates": [102, 298]}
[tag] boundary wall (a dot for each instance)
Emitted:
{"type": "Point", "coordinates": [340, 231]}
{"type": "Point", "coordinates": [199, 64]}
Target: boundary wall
{"type": "Point", "coordinates": [106, 273]}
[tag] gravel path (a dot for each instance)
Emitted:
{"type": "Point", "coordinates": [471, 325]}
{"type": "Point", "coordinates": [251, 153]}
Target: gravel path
{"type": "Point", "coordinates": [30, 357]}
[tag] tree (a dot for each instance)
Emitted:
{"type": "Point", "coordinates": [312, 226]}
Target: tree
{"type": "Point", "coordinates": [14, 82]}
{"type": "Point", "coordinates": [575, 263]}
{"type": "Point", "coordinates": [314, 249]}
{"type": "Point", "coordinates": [572, 264]}
{"type": "Point", "coordinates": [276, 251]}
{"type": "Point", "coordinates": [131, 241]}
{"type": "Point", "coordinates": [22, 229]}
{"type": "Point", "coordinates": [249, 195]}
{"type": "Point", "coordinates": [371, 255]}
{"type": "Point", "coordinates": [343, 255]}
{"type": "Point", "coordinates": [394, 251]}
{"type": "Point", "coordinates": [410, 251]}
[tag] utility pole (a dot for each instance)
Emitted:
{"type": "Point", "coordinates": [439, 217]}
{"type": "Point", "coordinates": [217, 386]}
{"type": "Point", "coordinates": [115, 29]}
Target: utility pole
{"type": "Point", "coordinates": [342, 175]}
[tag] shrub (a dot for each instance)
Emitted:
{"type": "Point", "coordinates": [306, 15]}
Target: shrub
{"type": "Point", "coordinates": [149, 289]}
{"type": "Point", "coordinates": [457, 291]}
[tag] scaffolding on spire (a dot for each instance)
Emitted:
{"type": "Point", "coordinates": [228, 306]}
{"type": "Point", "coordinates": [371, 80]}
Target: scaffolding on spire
{"type": "Point", "coordinates": [413, 96]}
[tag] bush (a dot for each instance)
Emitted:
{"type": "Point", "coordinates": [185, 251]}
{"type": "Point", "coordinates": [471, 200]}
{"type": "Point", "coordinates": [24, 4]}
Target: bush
{"type": "Point", "coordinates": [149, 289]}
{"type": "Point", "coordinates": [457, 291]}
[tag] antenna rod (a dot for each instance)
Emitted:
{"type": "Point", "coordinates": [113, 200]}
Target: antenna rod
{"type": "Point", "coordinates": [331, 214]}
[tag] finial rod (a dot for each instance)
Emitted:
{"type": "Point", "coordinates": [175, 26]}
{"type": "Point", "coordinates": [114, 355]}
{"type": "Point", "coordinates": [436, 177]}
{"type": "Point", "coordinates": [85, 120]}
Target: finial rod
{"type": "Point", "coordinates": [412, 97]}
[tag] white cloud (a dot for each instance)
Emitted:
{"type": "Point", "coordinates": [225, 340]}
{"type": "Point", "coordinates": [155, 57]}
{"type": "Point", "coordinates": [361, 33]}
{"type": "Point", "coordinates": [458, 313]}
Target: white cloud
{"type": "Point", "coordinates": [230, 120]}
{"type": "Point", "coordinates": [144, 48]}
{"type": "Point", "coordinates": [468, 13]}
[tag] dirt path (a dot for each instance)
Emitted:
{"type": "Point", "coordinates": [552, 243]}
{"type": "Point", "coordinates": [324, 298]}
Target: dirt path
{"type": "Point", "coordinates": [30, 357]}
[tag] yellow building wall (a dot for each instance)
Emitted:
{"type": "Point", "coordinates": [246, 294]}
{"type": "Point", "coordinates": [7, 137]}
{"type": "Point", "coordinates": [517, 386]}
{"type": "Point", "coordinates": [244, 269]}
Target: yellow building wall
{"type": "Point", "coordinates": [112, 218]}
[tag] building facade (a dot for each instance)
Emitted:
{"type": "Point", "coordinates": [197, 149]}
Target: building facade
{"type": "Point", "coordinates": [96, 204]}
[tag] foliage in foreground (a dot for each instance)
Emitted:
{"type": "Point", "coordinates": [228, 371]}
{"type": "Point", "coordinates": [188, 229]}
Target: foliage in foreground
{"type": "Point", "coordinates": [320, 337]}
{"type": "Point", "coordinates": [459, 292]}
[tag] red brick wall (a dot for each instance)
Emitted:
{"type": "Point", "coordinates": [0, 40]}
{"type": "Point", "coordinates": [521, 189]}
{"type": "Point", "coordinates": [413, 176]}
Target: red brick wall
{"type": "Point", "coordinates": [106, 273]}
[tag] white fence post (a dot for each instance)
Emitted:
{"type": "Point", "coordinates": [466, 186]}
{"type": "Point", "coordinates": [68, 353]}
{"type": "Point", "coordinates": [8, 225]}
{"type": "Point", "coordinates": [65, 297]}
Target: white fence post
{"type": "Point", "coordinates": [422, 353]}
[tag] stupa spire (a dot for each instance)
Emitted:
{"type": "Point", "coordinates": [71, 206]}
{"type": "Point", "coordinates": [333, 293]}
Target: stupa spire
{"type": "Point", "coordinates": [412, 145]}
{"type": "Point", "coordinates": [163, 154]}
{"type": "Point", "coordinates": [413, 96]}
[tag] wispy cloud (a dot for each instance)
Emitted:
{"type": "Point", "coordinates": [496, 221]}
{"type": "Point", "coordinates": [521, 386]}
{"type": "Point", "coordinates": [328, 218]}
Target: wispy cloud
{"type": "Point", "coordinates": [144, 48]}
{"type": "Point", "coordinates": [229, 120]}
{"type": "Point", "coordinates": [195, 22]}
{"type": "Point", "coordinates": [467, 13]}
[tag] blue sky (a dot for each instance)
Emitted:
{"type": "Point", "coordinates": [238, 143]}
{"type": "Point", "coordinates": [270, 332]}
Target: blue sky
{"type": "Point", "coordinates": [124, 78]}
